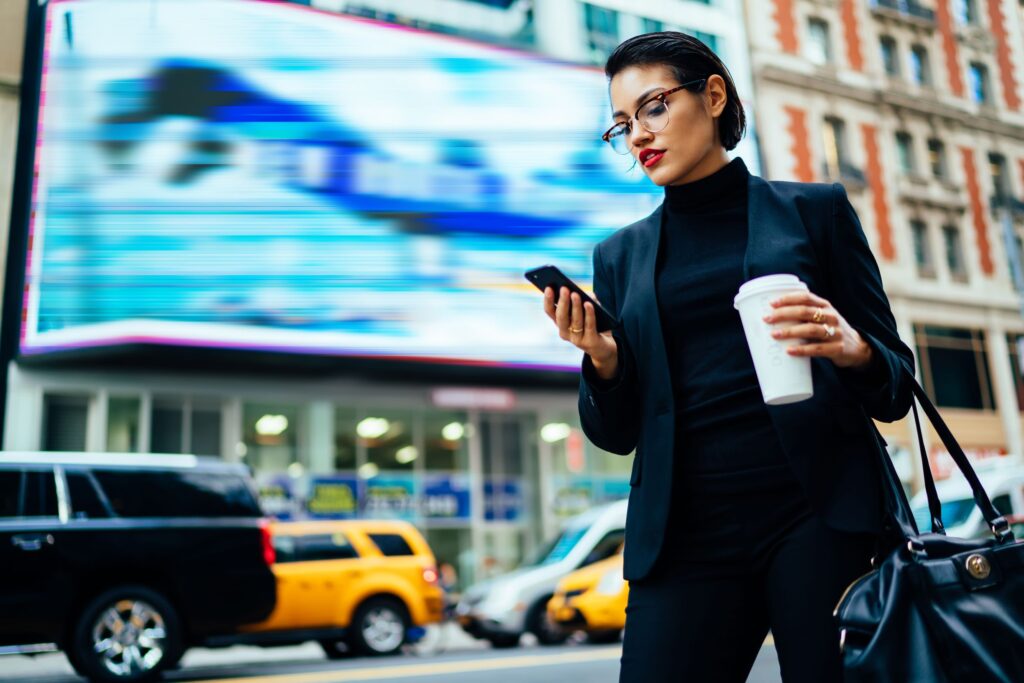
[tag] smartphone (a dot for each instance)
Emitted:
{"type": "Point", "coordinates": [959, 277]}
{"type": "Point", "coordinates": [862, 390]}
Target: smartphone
{"type": "Point", "coordinates": [551, 276]}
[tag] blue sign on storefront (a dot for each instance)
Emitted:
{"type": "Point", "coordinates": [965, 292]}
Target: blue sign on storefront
{"type": "Point", "coordinates": [390, 497]}
{"type": "Point", "coordinates": [446, 497]}
{"type": "Point", "coordinates": [503, 500]}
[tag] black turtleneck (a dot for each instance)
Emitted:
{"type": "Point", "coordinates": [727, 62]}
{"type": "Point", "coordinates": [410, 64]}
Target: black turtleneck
{"type": "Point", "coordinates": [722, 423]}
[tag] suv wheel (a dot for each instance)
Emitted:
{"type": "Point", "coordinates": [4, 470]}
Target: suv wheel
{"type": "Point", "coordinates": [129, 633]}
{"type": "Point", "coordinates": [540, 624]}
{"type": "Point", "coordinates": [379, 627]}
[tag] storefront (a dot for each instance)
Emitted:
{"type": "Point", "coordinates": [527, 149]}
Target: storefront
{"type": "Point", "coordinates": [486, 472]}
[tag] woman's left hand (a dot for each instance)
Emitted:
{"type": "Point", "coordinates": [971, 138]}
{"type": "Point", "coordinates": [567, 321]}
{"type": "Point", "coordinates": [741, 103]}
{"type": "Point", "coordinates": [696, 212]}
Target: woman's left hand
{"type": "Point", "coordinates": [827, 333]}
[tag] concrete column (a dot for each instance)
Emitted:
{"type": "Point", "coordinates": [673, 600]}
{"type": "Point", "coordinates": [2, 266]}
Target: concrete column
{"type": "Point", "coordinates": [320, 436]}
{"type": "Point", "coordinates": [231, 430]}
{"type": "Point", "coordinates": [558, 25]}
{"type": "Point", "coordinates": [1004, 387]}
{"type": "Point", "coordinates": [96, 422]}
{"type": "Point", "coordinates": [476, 493]}
{"type": "Point", "coordinates": [24, 409]}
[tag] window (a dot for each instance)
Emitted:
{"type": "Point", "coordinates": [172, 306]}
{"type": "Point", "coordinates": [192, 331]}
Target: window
{"type": "Point", "coordinates": [980, 89]}
{"type": "Point", "coordinates": [183, 425]}
{"type": "Point", "coordinates": [602, 27]}
{"type": "Point", "coordinates": [345, 422]}
{"type": "Point", "coordinates": [445, 445]}
{"type": "Point", "coordinates": [920, 68]}
{"type": "Point", "coordinates": [1016, 344]}
{"type": "Point", "coordinates": [905, 153]}
{"type": "Point", "coordinates": [606, 547]}
{"type": "Point", "coordinates": [651, 25]}
{"type": "Point", "coordinates": [954, 253]}
{"type": "Point", "coordinates": [123, 424]}
{"type": "Point", "coordinates": [85, 500]}
{"type": "Point", "coordinates": [937, 158]}
{"type": "Point", "coordinates": [954, 366]}
{"type": "Point", "coordinates": [392, 545]}
{"type": "Point", "coordinates": [177, 494]}
{"type": "Point", "coordinates": [834, 133]}
{"type": "Point", "coordinates": [10, 492]}
{"type": "Point", "coordinates": [819, 44]}
{"type": "Point", "coordinates": [890, 59]}
{"type": "Point", "coordinates": [38, 494]}
{"type": "Point", "coordinates": [270, 436]}
{"type": "Point", "coordinates": [999, 176]}
{"type": "Point", "coordinates": [64, 422]}
{"type": "Point", "coordinates": [28, 493]}
{"type": "Point", "coordinates": [922, 249]}
{"type": "Point", "coordinates": [388, 438]}
{"type": "Point", "coordinates": [966, 11]}
{"type": "Point", "coordinates": [313, 547]}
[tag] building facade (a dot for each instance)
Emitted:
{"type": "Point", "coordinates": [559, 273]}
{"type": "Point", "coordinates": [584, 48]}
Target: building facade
{"type": "Point", "coordinates": [487, 468]}
{"type": "Point", "coordinates": [915, 106]}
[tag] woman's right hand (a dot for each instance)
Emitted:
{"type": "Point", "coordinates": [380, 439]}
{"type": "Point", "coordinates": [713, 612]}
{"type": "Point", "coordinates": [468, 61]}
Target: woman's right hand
{"type": "Point", "coordinates": [577, 324]}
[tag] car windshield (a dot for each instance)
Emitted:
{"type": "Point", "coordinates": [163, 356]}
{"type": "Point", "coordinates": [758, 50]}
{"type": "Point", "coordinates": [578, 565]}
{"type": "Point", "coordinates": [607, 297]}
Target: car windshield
{"type": "Point", "coordinates": [557, 548]}
{"type": "Point", "coordinates": [954, 512]}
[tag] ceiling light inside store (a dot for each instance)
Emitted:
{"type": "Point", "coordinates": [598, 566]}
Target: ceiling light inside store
{"type": "Point", "coordinates": [241, 449]}
{"type": "Point", "coordinates": [373, 427]}
{"type": "Point", "coordinates": [406, 455]}
{"type": "Point", "coordinates": [271, 425]}
{"type": "Point", "coordinates": [453, 431]}
{"type": "Point", "coordinates": [369, 471]}
{"type": "Point", "coordinates": [555, 431]}
{"type": "Point", "coordinates": [296, 470]}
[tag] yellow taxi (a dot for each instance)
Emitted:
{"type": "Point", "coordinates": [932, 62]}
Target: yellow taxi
{"type": "Point", "coordinates": [593, 600]}
{"type": "Point", "coordinates": [352, 585]}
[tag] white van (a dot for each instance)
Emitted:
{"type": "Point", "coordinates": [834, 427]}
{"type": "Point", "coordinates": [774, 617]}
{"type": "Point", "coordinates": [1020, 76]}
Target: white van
{"type": "Point", "coordinates": [1003, 480]}
{"type": "Point", "coordinates": [501, 609]}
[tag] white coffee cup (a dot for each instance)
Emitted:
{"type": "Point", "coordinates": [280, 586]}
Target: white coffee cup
{"type": "Point", "coordinates": [783, 378]}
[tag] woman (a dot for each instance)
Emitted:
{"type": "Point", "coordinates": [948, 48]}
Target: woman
{"type": "Point", "coordinates": [743, 517]}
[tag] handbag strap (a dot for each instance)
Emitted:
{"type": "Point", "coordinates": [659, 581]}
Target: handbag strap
{"type": "Point", "coordinates": [996, 522]}
{"type": "Point", "coordinates": [934, 504]}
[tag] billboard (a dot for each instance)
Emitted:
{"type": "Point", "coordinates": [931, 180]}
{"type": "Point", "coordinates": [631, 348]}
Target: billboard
{"type": "Point", "coordinates": [259, 175]}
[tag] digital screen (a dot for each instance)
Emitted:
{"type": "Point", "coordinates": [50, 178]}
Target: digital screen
{"type": "Point", "coordinates": [259, 175]}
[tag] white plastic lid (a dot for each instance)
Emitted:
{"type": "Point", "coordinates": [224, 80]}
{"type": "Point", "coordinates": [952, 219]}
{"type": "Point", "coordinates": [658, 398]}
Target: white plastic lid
{"type": "Point", "coordinates": [768, 283]}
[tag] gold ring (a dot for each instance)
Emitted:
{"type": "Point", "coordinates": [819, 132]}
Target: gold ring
{"type": "Point", "coordinates": [818, 316]}
{"type": "Point", "coordinates": [829, 330]}
{"type": "Point", "coordinates": [575, 330]}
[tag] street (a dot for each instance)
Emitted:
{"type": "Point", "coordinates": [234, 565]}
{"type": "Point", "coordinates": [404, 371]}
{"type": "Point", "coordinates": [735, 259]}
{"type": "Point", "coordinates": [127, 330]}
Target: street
{"type": "Point", "coordinates": [456, 659]}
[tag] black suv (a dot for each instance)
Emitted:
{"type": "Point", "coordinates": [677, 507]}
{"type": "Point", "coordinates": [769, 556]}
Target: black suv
{"type": "Point", "coordinates": [124, 561]}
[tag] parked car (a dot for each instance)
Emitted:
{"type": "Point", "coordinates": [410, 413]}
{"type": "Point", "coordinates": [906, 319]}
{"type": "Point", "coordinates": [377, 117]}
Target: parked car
{"type": "Point", "coordinates": [592, 600]}
{"type": "Point", "coordinates": [1003, 480]}
{"type": "Point", "coordinates": [501, 609]}
{"type": "Point", "coordinates": [351, 585]}
{"type": "Point", "coordinates": [124, 561]}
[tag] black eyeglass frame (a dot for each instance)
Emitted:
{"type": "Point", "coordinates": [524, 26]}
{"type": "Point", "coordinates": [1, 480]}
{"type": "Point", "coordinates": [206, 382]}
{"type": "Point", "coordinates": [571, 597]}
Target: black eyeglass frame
{"type": "Point", "coordinates": [663, 96]}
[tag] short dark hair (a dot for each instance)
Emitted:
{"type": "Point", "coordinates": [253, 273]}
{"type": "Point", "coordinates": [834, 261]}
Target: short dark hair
{"type": "Point", "coordinates": [689, 59]}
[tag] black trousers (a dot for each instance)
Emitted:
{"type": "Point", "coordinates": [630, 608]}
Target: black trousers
{"type": "Point", "coordinates": [738, 562]}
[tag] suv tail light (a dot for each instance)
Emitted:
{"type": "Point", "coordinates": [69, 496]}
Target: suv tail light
{"type": "Point", "coordinates": [269, 555]}
{"type": "Point", "coordinates": [430, 575]}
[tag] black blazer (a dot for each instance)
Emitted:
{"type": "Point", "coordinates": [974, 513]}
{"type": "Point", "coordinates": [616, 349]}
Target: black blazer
{"type": "Point", "coordinates": [811, 231]}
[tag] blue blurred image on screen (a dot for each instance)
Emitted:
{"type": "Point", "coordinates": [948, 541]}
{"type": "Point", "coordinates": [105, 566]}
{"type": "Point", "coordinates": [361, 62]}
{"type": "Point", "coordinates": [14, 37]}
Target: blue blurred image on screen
{"type": "Point", "coordinates": [260, 175]}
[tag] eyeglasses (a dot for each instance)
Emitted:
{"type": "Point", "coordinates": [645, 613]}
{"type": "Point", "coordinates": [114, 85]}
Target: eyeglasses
{"type": "Point", "coordinates": [652, 115]}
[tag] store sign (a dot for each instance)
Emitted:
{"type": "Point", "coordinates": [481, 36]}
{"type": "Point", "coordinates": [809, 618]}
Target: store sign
{"type": "Point", "coordinates": [574, 494]}
{"type": "Point", "coordinates": [333, 497]}
{"type": "Point", "coordinates": [390, 497]}
{"type": "Point", "coordinates": [471, 397]}
{"type": "Point", "coordinates": [446, 497]}
{"type": "Point", "coordinates": [503, 500]}
{"type": "Point", "coordinates": [277, 496]}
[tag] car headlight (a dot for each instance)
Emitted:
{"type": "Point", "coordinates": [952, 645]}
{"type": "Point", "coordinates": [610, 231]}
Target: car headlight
{"type": "Point", "coordinates": [611, 583]}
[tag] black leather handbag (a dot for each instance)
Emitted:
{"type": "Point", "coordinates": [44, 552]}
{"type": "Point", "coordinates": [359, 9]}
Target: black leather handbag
{"type": "Point", "coordinates": [936, 609]}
